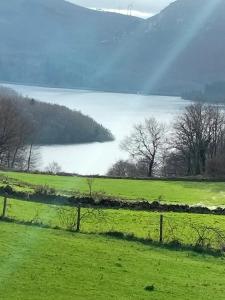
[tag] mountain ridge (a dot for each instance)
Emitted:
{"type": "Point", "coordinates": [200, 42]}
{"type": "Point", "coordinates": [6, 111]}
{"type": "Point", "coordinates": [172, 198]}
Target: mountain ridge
{"type": "Point", "coordinates": [59, 44]}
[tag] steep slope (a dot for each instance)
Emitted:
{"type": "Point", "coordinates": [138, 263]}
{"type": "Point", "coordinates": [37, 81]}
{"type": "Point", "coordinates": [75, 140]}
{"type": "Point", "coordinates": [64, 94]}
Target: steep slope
{"type": "Point", "coordinates": [56, 43]}
{"type": "Point", "coordinates": [189, 36]}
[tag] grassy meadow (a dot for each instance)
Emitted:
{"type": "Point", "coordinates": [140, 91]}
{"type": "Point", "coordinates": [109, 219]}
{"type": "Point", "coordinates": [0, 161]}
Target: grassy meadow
{"type": "Point", "coordinates": [116, 255]}
{"type": "Point", "coordinates": [181, 227]}
{"type": "Point", "coordinates": [48, 264]}
{"type": "Point", "coordinates": [185, 192]}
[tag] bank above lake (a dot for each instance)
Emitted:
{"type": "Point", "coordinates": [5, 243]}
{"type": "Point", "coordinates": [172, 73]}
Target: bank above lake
{"type": "Point", "coordinates": [56, 124]}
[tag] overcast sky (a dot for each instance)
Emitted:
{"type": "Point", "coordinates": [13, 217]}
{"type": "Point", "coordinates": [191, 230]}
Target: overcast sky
{"type": "Point", "coordinates": [142, 8]}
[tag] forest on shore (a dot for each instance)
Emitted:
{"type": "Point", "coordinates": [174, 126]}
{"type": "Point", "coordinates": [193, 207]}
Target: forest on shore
{"type": "Point", "coordinates": [26, 122]}
{"type": "Point", "coordinates": [212, 93]}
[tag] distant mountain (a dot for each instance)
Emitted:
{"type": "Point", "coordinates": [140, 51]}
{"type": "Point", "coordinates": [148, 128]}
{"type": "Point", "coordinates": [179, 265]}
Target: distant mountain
{"type": "Point", "coordinates": [186, 44]}
{"type": "Point", "coordinates": [56, 43]}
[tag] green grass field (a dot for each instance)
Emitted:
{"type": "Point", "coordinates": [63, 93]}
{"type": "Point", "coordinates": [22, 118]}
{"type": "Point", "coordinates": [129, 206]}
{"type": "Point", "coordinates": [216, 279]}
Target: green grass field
{"type": "Point", "coordinates": [37, 263]}
{"type": "Point", "coordinates": [186, 192]}
{"type": "Point", "coordinates": [44, 264]}
{"type": "Point", "coordinates": [181, 227]}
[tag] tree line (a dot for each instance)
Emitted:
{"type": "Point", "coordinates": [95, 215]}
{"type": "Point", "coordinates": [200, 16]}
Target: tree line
{"type": "Point", "coordinates": [16, 132]}
{"type": "Point", "coordinates": [193, 145]}
{"type": "Point", "coordinates": [26, 123]}
{"type": "Point", "coordinates": [212, 93]}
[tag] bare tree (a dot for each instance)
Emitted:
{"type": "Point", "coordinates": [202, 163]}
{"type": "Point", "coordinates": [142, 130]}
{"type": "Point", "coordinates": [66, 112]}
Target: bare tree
{"type": "Point", "coordinates": [15, 130]}
{"type": "Point", "coordinates": [29, 157]}
{"type": "Point", "coordinates": [72, 217]}
{"type": "Point", "coordinates": [33, 157]}
{"type": "Point", "coordinates": [122, 168]}
{"type": "Point", "coordinates": [53, 168]}
{"type": "Point", "coordinates": [199, 136]}
{"type": "Point", "coordinates": [126, 168]}
{"type": "Point", "coordinates": [145, 142]}
{"type": "Point", "coordinates": [90, 182]}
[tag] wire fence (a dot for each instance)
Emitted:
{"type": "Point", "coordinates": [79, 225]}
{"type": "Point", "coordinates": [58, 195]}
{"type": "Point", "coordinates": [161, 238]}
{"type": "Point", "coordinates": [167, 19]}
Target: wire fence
{"type": "Point", "coordinates": [177, 229]}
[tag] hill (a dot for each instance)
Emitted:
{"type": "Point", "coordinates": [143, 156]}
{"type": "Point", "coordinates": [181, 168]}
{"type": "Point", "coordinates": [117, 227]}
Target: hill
{"type": "Point", "coordinates": [68, 49]}
{"type": "Point", "coordinates": [185, 44]}
{"type": "Point", "coordinates": [55, 124]}
{"type": "Point", "coordinates": [178, 50]}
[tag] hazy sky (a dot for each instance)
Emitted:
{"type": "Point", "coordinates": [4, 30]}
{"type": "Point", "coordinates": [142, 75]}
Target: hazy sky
{"type": "Point", "coordinates": [142, 8]}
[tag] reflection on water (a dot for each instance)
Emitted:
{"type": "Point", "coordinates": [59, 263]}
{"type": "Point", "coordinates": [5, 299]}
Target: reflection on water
{"type": "Point", "coordinates": [117, 112]}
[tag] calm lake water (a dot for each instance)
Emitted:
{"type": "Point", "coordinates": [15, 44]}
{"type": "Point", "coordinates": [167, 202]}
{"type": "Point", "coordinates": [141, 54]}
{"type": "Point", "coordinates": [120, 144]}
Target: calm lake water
{"type": "Point", "coordinates": [117, 112]}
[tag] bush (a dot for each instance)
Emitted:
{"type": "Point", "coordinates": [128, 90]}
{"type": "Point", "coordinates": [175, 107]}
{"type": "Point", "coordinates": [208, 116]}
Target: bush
{"type": "Point", "coordinates": [7, 189]}
{"type": "Point", "coordinates": [175, 244]}
{"type": "Point", "coordinates": [116, 234]}
{"type": "Point", "coordinates": [45, 190]}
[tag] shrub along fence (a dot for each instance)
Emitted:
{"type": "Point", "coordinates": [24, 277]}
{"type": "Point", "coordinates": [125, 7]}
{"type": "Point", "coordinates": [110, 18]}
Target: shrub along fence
{"type": "Point", "coordinates": [201, 232]}
{"type": "Point", "coordinates": [46, 195]}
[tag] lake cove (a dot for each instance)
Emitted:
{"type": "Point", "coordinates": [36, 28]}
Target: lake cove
{"type": "Point", "coordinates": [115, 111]}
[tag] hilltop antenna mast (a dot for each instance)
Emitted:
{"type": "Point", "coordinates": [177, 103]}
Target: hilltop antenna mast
{"type": "Point", "coordinates": [118, 3]}
{"type": "Point", "coordinates": [130, 9]}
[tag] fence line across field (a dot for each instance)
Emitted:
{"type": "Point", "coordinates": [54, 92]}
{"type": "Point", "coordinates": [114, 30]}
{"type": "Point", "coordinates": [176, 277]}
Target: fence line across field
{"type": "Point", "coordinates": [162, 228]}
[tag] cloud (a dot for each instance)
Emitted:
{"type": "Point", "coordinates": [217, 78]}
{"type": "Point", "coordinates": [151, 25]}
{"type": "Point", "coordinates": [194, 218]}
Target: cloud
{"type": "Point", "coordinates": [137, 13]}
{"type": "Point", "coordinates": [142, 8]}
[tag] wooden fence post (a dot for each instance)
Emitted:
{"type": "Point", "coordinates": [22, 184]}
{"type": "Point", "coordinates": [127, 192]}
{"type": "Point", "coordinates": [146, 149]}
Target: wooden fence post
{"type": "Point", "coordinates": [4, 207]}
{"type": "Point", "coordinates": [161, 229]}
{"type": "Point", "coordinates": [78, 218]}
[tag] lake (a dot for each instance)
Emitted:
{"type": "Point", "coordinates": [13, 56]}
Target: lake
{"type": "Point", "coordinates": [117, 112]}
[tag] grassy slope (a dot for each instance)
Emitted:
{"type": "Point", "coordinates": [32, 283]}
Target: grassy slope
{"type": "Point", "coordinates": [45, 264]}
{"type": "Point", "coordinates": [207, 193]}
{"type": "Point", "coordinates": [140, 224]}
